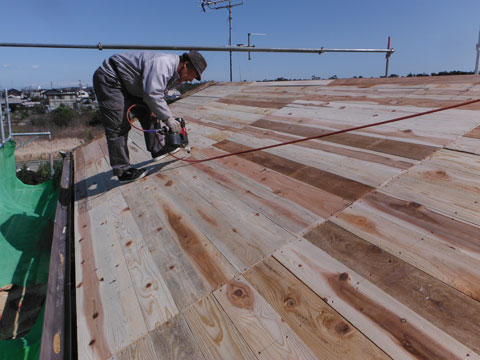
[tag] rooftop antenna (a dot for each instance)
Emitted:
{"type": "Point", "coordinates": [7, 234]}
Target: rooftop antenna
{"type": "Point", "coordinates": [223, 4]}
{"type": "Point", "coordinates": [478, 54]}
{"type": "Point", "coordinates": [249, 36]}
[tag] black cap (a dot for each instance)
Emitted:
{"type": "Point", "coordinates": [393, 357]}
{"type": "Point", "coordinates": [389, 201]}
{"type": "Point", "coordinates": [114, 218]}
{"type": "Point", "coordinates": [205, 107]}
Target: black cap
{"type": "Point", "coordinates": [198, 62]}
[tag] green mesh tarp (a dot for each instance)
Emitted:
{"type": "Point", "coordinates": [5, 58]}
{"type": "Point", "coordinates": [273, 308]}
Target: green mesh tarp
{"type": "Point", "coordinates": [27, 214]}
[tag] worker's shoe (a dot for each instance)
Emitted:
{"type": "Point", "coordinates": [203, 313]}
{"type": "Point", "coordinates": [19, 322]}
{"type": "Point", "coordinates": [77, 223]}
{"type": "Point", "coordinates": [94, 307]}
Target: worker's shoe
{"type": "Point", "coordinates": [164, 153]}
{"type": "Point", "coordinates": [132, 174]}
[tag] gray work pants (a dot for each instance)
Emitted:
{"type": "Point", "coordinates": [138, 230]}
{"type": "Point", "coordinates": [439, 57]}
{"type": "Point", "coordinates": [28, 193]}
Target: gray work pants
{"type": "Point", "coordinates": [114, 101]}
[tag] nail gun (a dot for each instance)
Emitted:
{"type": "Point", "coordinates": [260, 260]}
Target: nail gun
{"type": "Point", "coordinates": [175, 140]}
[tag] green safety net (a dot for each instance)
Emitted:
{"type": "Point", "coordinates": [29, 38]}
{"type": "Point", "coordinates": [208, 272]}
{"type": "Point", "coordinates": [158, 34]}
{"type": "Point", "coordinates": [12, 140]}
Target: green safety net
{"type": "Point", "coordinates": [27, 214]}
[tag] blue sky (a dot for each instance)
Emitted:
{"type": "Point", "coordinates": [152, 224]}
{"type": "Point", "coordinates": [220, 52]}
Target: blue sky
{"type": "Point", "coordinates": [428, 36]}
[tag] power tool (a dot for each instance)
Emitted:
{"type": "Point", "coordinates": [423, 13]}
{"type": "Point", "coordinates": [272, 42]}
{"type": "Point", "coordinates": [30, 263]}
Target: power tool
{"type": "Point", "coordinates": [175, 140]}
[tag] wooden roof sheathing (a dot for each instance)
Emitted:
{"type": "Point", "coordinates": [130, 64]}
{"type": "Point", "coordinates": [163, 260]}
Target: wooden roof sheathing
{"type": "Point", "coordinates": [362, 245]}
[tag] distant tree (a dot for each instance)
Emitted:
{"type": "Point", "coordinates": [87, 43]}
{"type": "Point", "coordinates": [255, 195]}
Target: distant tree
{"type": "Point", "coordinates": [393, 76]}
{"type": "Point", "coordinates": [62, 116]}
{"type": "Point", "coordinates": [333, 77]}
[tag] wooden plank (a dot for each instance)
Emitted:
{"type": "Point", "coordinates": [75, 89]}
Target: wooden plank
{"type": "Point", "coordinates": [393, 147]}
{"type": "Point", "coordinates": [347, 151]}
{"type": "Point", "coordinates": [466, 144]}
{"type": "Point", "coordinates": [348, 114]}
{"type": "Point", "coordinates": [254, 103]}
{"type": "Point", "coordinates": [262, 328]}
{"type": "Point", "coordinates": [142, 349]}
{"type": "Point", "coordinates": [311, 198]}
{"type": "Point", "coordinates": [186, 285]}
{"type": "Point", "coordinates": [404, 229]}
{"type": "Point", "coordinates": [108, 315]}
{"type": "Point", "coordinates": [448, 309]}
{"type": "Point", "coordinates": [337, 185]}
{"type": "Point", "coordinates": [392, 326]}
{"type": "Point", "coordinates": [474, 133]}
{"type": "Point", "coordinates": [368, 173]}
{"type": "Point", "coordinates": [240, 249]}
{"type": "Point", "coordinates": [214, 332]}
{"type": "Point", "coordinates": [174, 341]}
{"type": "Point", "coordinates": [450, 192]}
{"type": "Point", "coordinates": [153, 295]}
{"type": "Point", "coordinates": [320, 327]}
{"type": "Point", "coordinates": [245, 220]}
{"type": "Point", "coordinates": [284, 213]}
{"type": "Point", "coordinates": [456, 160]}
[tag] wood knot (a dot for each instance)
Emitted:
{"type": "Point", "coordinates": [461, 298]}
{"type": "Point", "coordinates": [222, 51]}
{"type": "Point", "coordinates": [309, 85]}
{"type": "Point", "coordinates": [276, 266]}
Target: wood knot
{"type": "Point", "coordinates": [343, 276]}
{"type": "Point", "coordinates": [129, 242]}
{"type": "Point", "coordinates": [94, 316]}
{"type": "Point", "coordinates": [436, 175]}
{"type": "Point", "coordinates": [290, 302]}
{"type": "Point", "coordinates": [240, 294]}
{"type": "Point", "coordinates": [148, 285]}
{"type": "Point", "coordinates": [342, 328]}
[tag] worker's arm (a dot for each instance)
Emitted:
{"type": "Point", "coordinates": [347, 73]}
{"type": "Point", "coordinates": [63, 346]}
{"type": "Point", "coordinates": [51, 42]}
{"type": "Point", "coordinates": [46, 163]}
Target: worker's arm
{"type": "Point", "coordinates": [155, 78]}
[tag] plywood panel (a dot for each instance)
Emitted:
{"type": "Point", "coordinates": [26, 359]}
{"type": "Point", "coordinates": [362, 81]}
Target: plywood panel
{"type": "Point", "coordinates": [214, 331]}
{"type": "Point", "coordinates": [392, 326]}
{"type": "Point", "coordinates": [448, 309]}
{"type": "Point", "coordinates": [262, 328]}
{"type": "Point", "coordinates": [325, 332]}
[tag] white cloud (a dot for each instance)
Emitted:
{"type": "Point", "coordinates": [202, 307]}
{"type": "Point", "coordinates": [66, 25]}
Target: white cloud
{"type": "Point", "coordinates": [35, 66]}
{"type": "Point", "coordinates": [6, 66]}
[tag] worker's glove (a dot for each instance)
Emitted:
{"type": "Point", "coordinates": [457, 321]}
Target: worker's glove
{"type": "Point", "coordinates": [173, 125]}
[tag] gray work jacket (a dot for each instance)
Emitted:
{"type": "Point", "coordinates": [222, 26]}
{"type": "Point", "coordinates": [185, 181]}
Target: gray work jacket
{"type": "Point", "coordinates": [148, 75]}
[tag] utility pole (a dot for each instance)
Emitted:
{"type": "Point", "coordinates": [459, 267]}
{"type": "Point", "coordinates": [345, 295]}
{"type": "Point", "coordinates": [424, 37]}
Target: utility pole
{"type": "Point", "coordinates": [478, 54]}
{"type": "Point", "coordinates": [216, 5]}
{"type": "Point", "coordinates": [387, 56]}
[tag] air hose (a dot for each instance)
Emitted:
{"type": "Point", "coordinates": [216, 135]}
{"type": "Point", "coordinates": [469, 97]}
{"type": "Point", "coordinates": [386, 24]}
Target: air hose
{"type": "Point", "coordinates": [310, 137]}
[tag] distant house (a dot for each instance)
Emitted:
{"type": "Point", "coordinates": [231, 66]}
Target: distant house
{"type": "Point", "coordinates": [55, 98]}
{"type": "Point", "coordinates": [14, 99]}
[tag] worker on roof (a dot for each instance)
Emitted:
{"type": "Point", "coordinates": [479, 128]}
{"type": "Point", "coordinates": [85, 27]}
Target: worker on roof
{"type": "Point", "coordinates": [140, 78]}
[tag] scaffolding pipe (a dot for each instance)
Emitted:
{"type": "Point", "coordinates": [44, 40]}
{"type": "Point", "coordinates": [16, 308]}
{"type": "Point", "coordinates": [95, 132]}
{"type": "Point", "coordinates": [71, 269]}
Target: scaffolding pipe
{"type": "Point", "coordinates": [101, 46]}
{"type": "Point", "coordinates": [46, 133]}
{"type": "Point", "coordinates": [2, 131]}
{"type": "Point", "coordinates": [7, 110]}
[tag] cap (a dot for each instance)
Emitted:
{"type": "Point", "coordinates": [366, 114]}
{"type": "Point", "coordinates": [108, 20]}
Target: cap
{"type": "Point", "coordinates": [198, 62]}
